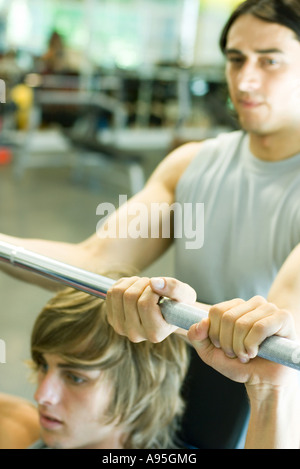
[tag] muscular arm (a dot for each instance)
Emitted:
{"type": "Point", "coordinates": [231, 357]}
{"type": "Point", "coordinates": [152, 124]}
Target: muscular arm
{"type": "Point", "coordinates": [102, 249]}
{"type": "Point", "coordinates": [274, 419]}
{"type": "Point", "coordinates": [285, 291]}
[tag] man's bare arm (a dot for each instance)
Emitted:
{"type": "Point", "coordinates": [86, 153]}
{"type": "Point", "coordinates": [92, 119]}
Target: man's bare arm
{"type": "Point", "coordinates": [285, 291]}
{"type": "Point", "coordinates": [274, 418]}
{"type": "Point", "coordinates": [99, 251]}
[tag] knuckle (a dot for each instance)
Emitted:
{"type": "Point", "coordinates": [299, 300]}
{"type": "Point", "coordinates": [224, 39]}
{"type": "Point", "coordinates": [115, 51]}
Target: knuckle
{"type": "Point", "coordinates": [134, 334]}
{"type": "Point", "coordinates": [259, 328]}
{"type": "Point", "coordinates": [215, 313]}
{"type": "Point", "coordinates": [237, 302]}
{"type": "Point", "coordinates": [229, 316]}
{"type": "Point", "coordinates": [117, 291]}
{"type": "Point", "coordinates": [155, 337]}
{"type": "Point", "coordinates": [118, 284]}
{"type": "Point", "coordinates": [128, 295]}
{"type": "Point", "coordinates": [241, 324]}
{"type": "Point", "coordinates": [131, 295]}
{"type": "Point", "coordinates": [121, 286]}
{"type": "Point", "coordinates": [271, 306]}
{"type": "Point", "coordinates": [260, 300]}
{"type": "Point", "coordinates": [135, 338]}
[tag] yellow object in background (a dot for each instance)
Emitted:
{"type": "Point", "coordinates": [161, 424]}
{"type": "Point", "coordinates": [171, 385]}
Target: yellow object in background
{"type": "Point", "coordinates": [22, 96]}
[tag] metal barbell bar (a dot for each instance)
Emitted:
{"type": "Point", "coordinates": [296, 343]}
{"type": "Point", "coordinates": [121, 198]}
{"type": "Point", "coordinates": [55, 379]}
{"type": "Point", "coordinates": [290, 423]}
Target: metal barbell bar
{"type": "Point", "coordinates": [275, 349]}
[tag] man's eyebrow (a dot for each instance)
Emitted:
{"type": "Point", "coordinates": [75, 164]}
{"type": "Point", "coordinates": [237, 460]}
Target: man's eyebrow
{"type": "Point", "coordinates": [269, 51]}
{"type": "Point", "coordinates": [259, 51]}
{"type": "Point", "coordinates": [233, 51]}
{"type": "Point", "coordinates": [77, 366]}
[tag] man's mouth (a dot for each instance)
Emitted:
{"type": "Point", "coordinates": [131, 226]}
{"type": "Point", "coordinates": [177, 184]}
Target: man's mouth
{"type": "Point", "coordinates": [249, 103]}
{"type": "Point", "coordinates": [50, 422]}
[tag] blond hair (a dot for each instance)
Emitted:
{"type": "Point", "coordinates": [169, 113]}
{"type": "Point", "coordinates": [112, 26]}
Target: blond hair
{"type": "Point", "coordinates": [146, 378]}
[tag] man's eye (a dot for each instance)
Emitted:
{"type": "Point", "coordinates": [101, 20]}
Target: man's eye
{"type": "Point", "coordinates": [235, 60]}
{"type": "Point", "coordinates": [75, 379]}
{"type": "Point", "coordinates": [43, 367]}
{"type": "Point", "coordinates": [270, 62]}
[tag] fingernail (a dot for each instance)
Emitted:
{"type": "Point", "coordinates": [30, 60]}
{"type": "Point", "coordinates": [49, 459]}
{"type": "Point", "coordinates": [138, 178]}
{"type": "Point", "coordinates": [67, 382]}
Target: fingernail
{"type": "Point", "coordinates": [216, 344]}
{"type": "Point", "coordinates": [244, 360]}
{"type": "Point", "coordinates": [158, 283]}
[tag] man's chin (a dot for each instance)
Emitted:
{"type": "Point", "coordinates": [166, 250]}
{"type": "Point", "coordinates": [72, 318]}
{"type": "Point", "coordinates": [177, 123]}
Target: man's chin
{"type": "Point", "coordinates": [54, 442]}
{"type": "Point", "coordinates": [256, 126]}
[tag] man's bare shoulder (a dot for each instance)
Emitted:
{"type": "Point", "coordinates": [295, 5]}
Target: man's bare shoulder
{"type": "Point", "coordinates": [173, 166]}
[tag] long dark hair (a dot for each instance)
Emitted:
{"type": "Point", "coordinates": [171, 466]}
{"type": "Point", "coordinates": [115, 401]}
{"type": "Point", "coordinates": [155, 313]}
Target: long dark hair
{"type": "Point", "coordinates": [284, 12]}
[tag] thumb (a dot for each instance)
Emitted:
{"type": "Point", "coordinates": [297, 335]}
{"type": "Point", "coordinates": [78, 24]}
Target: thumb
{"type": "Point", "coordinates": [198, 336]}
{"type": "Point", "coordinates": [173, 289]}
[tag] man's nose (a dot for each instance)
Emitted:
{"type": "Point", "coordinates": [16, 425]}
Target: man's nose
{"type": "Point", "coordinates": [249, 78]}
{"type": "Point", "coordinates": [49, 390]}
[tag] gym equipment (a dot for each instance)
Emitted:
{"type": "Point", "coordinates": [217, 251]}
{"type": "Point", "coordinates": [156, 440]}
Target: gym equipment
{"type": "Point", "coordinates": [275, 349]}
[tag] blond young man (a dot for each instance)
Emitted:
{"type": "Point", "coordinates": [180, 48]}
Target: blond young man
{"type": "Point", "coordinates": [95, 388]}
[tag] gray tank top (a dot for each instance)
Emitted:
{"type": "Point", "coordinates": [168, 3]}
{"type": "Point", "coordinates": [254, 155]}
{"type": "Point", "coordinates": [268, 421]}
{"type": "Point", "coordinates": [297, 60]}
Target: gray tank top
{"type": "Point", "coordinates": [251, 219]}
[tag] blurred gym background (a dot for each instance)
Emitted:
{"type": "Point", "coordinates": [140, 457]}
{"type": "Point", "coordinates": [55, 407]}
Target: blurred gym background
{"type": "Point", "coordinates": [97, 93]}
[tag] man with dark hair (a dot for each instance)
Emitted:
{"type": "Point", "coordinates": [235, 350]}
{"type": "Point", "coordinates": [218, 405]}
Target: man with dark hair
{"type": "Point", "coordinates": [283, 12]}
{"type": "Point", "coordinates": [249, 183]}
